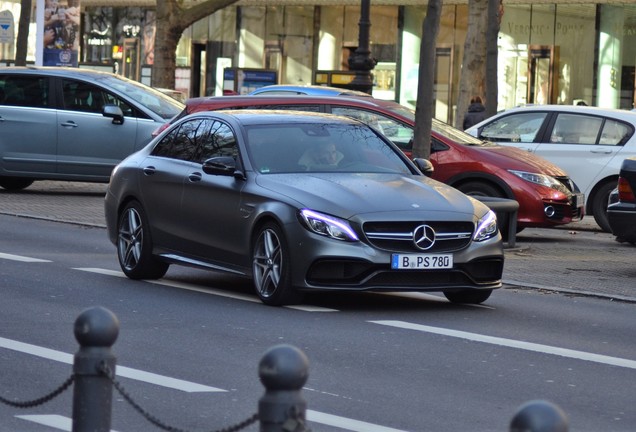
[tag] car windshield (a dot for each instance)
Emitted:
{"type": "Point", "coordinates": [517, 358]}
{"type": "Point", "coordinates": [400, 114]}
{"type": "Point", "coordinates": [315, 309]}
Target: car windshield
{"type": "Point", "coordinates": [314, 147]}
{"type": "Point", "coordinates": [444, 129]}
{"type": "Point", "coordinates": [154, 100]}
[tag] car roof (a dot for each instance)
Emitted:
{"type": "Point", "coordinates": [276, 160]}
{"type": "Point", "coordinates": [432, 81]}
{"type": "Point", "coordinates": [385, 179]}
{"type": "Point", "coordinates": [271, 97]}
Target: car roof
{"type": "Point", "coordinates": [613, 112]}
{"type": "Point", "coordinates": [200, 102]}
{"type": "Point", "coordinates": [316, 90]}
{"type": "Point", "coordinates": [256, 116]}
{"type": "Point", "coordinates": [54, 70]}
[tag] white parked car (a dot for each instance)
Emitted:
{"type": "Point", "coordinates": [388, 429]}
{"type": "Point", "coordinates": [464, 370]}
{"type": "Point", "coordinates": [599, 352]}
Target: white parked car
{"type": "Point", "coordinates": [589, 143]}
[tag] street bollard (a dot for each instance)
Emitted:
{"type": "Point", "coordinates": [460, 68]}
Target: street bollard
{"type": "Point", "coordinates": [283, 370]}
{"type": "Point", "coordinates": [96, 330]}
{"type": "Point", "coordinates": [539, 416]}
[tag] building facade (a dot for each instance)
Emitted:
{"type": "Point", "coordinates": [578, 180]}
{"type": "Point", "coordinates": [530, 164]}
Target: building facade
{"type": "Point", "coordinates": [559, 53]}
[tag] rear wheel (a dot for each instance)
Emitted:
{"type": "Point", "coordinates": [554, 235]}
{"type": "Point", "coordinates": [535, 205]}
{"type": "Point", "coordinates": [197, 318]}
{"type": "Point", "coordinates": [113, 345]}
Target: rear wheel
{"type": "Point", "coordinates": [599, 205]}
{"type": "Point", "coordinates": [468, 296]}
{"type": "Point", "coordinates": [15, 183]}
{"type": "Point", "coordinates": [271, 267]}
{"type": "Point", "coordinates": [134, 245]}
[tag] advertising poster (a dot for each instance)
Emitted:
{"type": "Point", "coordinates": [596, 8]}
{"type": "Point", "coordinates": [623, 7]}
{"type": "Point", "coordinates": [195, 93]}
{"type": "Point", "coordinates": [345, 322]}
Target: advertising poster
{"type": "Point", "coordinates": [61, 32]}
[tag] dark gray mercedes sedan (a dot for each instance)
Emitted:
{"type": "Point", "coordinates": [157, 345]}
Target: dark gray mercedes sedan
{"type": "Point", "coordinates": [298, 202]}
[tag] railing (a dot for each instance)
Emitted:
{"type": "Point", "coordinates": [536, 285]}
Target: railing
{"type": "Point", "coordinates": [283, 371]}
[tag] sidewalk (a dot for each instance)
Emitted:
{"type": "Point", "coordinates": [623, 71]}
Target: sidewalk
{"type": "Point", "coordinates": [578, 258]}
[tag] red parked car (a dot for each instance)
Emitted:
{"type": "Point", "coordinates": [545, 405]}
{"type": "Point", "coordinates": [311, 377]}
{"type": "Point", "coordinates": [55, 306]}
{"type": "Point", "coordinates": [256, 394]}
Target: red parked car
{"type": "Point", "coordinates": [546, 195]}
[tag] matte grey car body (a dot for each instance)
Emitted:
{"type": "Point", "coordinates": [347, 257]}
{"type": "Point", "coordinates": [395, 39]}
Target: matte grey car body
{"type": "Point", "coordinates": [226, 190]}
{"type": "Point", "coordinates": [73, 124]}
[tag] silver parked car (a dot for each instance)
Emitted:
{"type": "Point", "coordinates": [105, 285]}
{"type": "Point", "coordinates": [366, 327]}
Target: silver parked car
{"type": "Point", "coordinates": [296, 202]}
{"type": "Point", "coordinates": [589, 143]}
{"type": "Point", "coordinates": [73, 124]}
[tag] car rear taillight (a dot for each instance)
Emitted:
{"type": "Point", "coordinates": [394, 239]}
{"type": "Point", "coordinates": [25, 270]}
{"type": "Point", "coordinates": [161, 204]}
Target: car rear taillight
{"type": "Point", "coordinates": [625, 192]}
{"type": "Point", "coordinates": [160, 129]}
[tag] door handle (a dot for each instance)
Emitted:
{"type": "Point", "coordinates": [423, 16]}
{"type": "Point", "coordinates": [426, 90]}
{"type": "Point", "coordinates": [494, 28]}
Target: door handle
{"type": "Point", "coordinates": [69, 123]}
{"type": "Point", "coordinates": [195, 177]}
{"type": "Point", "coordinates": [149, 170]}
{"type": "Point", "coordinates": [601, 151]}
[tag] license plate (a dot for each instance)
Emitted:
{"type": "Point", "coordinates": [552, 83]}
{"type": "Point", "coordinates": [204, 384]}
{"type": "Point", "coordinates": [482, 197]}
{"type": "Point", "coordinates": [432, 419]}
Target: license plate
{"type": "Point", "coordinates": [578, 200]}
{"type": "Point", "coordinates": [421, 261]}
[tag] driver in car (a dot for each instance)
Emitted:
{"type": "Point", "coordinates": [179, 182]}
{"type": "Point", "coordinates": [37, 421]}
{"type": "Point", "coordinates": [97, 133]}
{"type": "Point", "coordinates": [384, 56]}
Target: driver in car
{"type": "Point", "coordinates": [323, 154]}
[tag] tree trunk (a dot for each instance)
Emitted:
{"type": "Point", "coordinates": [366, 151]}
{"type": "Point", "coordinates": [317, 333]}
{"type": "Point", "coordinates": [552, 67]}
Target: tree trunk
{"type": "Point", "coordinates": [473, 78]}
{"type": "Point", "coordinates": [495, 8]}
{"type": "Point", "coordinates": [172, 20]}
{"type": "Point", "coordinates": [426, 81]}
{"type": "Point", "coordinates": [22, 42]}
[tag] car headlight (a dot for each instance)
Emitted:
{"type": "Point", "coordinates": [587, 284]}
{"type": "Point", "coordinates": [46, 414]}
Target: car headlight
{"type": "Point", "coordinates": [541, 179]}
{"type": "Point", "coordinates": [486, 227]}
{"type": "Point", "coordinates": [328, 226]}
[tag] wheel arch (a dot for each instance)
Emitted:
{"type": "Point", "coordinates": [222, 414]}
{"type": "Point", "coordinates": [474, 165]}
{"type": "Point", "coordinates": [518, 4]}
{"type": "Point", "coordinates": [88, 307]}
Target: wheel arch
{"type": "Point", "coordinates": [463, 178]}
{"type": "Point", "coordinates": [589, 201]}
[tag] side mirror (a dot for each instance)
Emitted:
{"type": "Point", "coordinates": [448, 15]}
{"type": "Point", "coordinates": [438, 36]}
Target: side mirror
{"type": "Point", "coordinates": [220, 165]}
{"type": "Point", "coordinates": [425, 166]}
{"type": "Point", "coordinates": [114, 112]}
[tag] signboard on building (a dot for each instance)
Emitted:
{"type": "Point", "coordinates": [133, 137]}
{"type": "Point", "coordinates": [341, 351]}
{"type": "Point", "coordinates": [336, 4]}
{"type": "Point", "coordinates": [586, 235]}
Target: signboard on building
{"type": "Point", "coordinates": [7, 27]}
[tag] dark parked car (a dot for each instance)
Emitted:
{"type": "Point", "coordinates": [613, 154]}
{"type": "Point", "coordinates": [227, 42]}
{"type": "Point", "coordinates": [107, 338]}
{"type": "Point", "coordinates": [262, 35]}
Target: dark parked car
{"type": "Point", "coordinates": [296, 202]}
{"type": "Point", "coordinates": [621, 211]}
{"type": "Point", "coordinates": [73, 124]}
{"type": "Point", "coordinates": [546, 195]}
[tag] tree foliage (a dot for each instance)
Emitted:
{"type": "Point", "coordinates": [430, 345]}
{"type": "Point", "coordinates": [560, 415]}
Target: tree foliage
{"type": "Point", "coordinates": [173, 17]}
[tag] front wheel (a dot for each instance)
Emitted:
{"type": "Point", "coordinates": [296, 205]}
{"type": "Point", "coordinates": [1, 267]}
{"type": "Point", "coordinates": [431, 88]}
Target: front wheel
{"type": "Point", "coordinates": [15, 183]}
{"type": "Point", "coordinates": [134, 245]}
{"type": "Point", "coordinates": [599, 205]}
{"type": "Point", "coordinates": [468, 296]}
{"type": "Point", "coordinates": [271, 267]}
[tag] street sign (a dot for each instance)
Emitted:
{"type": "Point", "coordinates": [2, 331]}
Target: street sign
{"type": "Point", "coordinates": [7, 27]}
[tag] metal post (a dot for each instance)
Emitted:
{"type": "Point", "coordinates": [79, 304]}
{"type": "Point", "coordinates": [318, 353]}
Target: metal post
{"type": "Point", "coordinates": [360, 61]}
{"type": "Point", "coordinates": [96, 330]}
{"type": "Point", "coordinates": [283, 371]}
{"type": "Point", "coordinates": [539, 416]}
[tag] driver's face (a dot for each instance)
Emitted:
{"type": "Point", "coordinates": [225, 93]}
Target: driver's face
{"type": "Point", "coordinates": [328, 154]}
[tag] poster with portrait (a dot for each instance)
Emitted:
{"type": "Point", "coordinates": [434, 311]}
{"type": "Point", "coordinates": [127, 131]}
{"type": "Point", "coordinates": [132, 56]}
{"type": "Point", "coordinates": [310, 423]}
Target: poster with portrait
{"type": "Point", "coordinates": [61, 32]}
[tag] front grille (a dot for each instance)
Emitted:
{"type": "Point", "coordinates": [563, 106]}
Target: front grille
{"type": "Point", "coordinates": [357, 274]}
{"type": "Point", "coordinates": [398, 236]}
{"type": "Point", "coordinates": [567, 182]}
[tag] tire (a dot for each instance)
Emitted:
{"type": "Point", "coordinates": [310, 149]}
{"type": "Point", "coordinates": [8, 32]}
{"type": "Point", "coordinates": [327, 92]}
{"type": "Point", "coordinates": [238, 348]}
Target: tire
{"type": "Point", "coordinates": [599, 205]}
{"type": "Point", "coordinates": [478, 189]}
{"type": "Point", "coordinates": [271, 267]}
{"type": "Point", "coordinates": [134, 245]}
{"type": "Point", "coordinates": [15, 183]}
{"type": "Point", "coordinates": [468, 296]}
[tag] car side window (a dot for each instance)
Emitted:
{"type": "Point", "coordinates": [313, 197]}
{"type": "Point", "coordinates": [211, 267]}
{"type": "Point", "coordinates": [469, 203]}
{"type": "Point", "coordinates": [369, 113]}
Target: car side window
{"type": "Point", "coordinates": [215, 139]}
{"type": "Point", "coordinates": [85, 97]}
{"type": "Point", "coordinates": [615, 133]}
{"type": "Point", "coordinates": [576, 129]}
{"type": "Point", "coordinates": [397, 132]}
{"type": "Point", "coordinates": [520, 127]}
{"type": "Point", "coordinates": [26, 91]}
{"type": "Point", "coordinates": [181, 142]}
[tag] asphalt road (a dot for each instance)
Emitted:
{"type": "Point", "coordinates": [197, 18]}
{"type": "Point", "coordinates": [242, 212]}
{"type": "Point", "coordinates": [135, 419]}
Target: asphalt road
{"type": "Point", "coordinates": [578, 258]}
{"type": "Point", "coordinates": [378, 363]}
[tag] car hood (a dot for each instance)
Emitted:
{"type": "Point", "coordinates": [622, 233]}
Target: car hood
{"type": "Point", "coordinates": [346, 195]}
{"type": "Point", "coordinates": [521, 160]}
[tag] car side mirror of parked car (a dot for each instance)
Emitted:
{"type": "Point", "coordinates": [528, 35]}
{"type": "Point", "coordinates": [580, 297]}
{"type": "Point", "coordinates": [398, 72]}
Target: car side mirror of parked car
{"type": "Point", "coordinates": [220, 165]}
{"type": "Point", "coordinates": [114, 112]}
{"type": "Point", "coordinates": [425, 166]}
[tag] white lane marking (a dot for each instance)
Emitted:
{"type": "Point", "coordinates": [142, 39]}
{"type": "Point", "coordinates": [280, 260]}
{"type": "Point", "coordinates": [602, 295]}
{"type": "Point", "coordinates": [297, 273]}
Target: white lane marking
{"type": "Point", "coordinates": [346, 423]}
{"type": "Point", "coordinates": [528, 346]}
{"type": "Point", "coordinates": [22, 258]}
{"type": "Point", "coordinates": [121, 371]}
{"type": "Point", "coordinates": [211, 291]}
{"type": "Point", "coordinates": [52, 420]}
